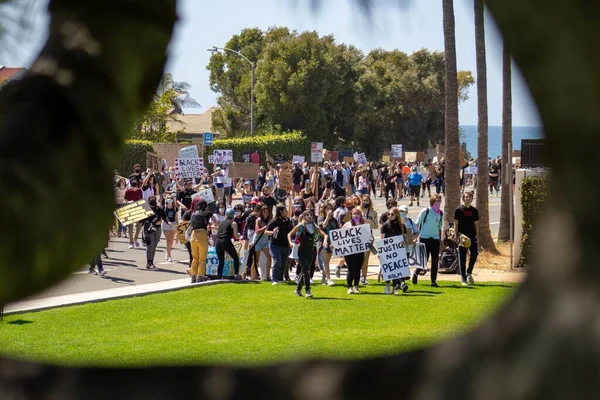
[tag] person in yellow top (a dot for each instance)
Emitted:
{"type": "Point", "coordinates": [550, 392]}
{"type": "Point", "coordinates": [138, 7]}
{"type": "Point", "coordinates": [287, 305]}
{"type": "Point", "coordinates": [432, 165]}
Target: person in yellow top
{"type": "Point", "coordinates": [370, 216]}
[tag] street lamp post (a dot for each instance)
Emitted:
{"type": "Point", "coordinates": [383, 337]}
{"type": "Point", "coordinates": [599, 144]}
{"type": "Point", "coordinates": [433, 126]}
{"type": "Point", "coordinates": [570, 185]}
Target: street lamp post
{"type": "Point", "coordinates": [215, 49]}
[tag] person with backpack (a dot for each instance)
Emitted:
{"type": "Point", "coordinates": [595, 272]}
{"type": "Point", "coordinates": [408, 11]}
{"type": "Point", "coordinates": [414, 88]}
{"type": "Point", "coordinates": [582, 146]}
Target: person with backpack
{"type": "Point", "coordinates": [430, 221]}
{"type": "Point", "coordinates": [466, 223]}
{"type": "Point", "coordinates": [199, 224]}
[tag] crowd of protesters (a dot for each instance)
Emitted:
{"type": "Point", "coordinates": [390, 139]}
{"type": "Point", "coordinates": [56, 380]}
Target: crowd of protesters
{"type": "Point", "coordinates": [290, 229]}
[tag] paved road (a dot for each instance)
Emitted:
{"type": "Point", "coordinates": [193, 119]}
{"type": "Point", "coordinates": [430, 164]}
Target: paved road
{"type": "Point", "coordinates": [127, 267]}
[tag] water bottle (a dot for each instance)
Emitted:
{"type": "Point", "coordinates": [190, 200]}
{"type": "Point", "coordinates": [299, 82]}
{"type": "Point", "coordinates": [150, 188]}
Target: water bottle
{"type": "Point", "coordinates": [275, 232]}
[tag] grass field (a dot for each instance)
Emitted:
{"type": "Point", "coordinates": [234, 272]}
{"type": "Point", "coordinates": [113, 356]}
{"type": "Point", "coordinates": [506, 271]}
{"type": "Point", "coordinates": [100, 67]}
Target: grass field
{"type": "Point", "coordinates": [248, 324]}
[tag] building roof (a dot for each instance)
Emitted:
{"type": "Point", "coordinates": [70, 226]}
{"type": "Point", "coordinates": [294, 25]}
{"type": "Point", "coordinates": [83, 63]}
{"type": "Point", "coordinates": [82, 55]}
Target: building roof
{"type": "Point", "coordinates": [10, 73]}
{"type": "Point", "coordinates": [194, 124]}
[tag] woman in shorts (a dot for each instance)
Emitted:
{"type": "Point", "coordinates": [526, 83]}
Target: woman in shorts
{"type": "Point", "coordinates": [261, 240]}
{"type": "Point", "coordinates": [169, 226]}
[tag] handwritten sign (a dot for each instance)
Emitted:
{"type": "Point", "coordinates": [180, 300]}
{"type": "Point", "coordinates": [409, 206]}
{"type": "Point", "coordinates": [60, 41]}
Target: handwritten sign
{"type": "Point", "coordinates": [243, 170]}
{"type": "Point", "coordinates": [133, 212]}
{"type": "Point", "coordinates": [285, 180]}
{"type": "Point", "coordinates": [348, 160]}
{"type": "Point", "coordinates": [332, 155]}
{"type": "Point", "coordinates": [392, 258]}
{"type": "Point", "coordinates": [351, 240]}
{"type": "Point", "coordinates": [316, 146]}
{"type": "Point", "coordinates": [181, 229]}
{"type": "Point", "coordinates": [205, 193]}
{"type": "Point", "coordinates": [223, 156]}
{"type": "Point", "coordinates": [362, 158]}
{"type": "Point", "coordinates": [189, 168]}
{"type": "Point", "coordinates": [316, 156]}
{"type": "Point", "coordinates": [471, 170]}
{"type": "Point", "coordinates": [298, 159]}
{"type": "Point", "coordinates": [417, 255]}
{"type": "Point", "coordinates": [247, 157]}
{"type": "Point", "coordinates": [189, 152]}
{"type": "Point", "coordinates": [396, 151]}
{"type": "Point", "coordinates": [152, 161]}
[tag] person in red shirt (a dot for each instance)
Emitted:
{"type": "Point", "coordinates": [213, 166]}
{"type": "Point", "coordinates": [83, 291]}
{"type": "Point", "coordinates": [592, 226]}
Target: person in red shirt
{"type": "Point", "coordinates": [133, 194]}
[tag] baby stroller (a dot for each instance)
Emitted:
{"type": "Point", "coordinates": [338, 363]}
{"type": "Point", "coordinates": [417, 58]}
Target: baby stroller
{"type": "Point", "coordinates": [448, 262]}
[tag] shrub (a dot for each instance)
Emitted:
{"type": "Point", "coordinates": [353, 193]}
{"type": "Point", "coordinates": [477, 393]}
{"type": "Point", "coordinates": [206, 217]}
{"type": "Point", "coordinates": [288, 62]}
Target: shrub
{"type": "Point", "coordinates": [533, 195]}
{"type": "Point", "coordinates": [288, 143]}
{"type": "Point", "coordinates": [134, 152]}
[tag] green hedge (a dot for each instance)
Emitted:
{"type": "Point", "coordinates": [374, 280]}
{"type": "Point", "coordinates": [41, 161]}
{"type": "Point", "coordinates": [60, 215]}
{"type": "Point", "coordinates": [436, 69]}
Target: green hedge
{"type": "Point", "coordinates": [533, 195]}
{"type": "Point", "coordinates": [134, 152]}
{"type": "Point", "coordinates": [288, 143]}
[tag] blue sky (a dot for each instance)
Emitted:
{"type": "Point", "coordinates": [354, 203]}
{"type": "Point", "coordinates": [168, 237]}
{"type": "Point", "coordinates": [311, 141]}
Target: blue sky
{"type": "Point", "coordinates": [419, 25]}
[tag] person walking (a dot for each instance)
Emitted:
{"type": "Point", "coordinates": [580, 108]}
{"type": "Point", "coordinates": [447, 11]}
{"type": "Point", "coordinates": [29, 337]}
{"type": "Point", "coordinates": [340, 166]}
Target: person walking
{"type": "Point", "coordinates": [152, 231]}
{"type": "Point", "coordinates": [199, 222]}
{"type": "Point", "coordinates": [170, 225]}
{"type": "Point", "coordinates": [354, 262]}
{"type": "Point", "coordinates": [327, 223]}
{"type": "Point", "coordinates": [430, 221]}
{"type": "Point", "coordinates": [414, 179]}
{"type": "Point", "coordinates": [133, 194]}
{"type": "Point", "coordinates": [394, 227]}
{"type": "Point", "coordinates": [370, 216]}
{"type": "Point", "coordinates": [227, 232]}
{"type": "Point", "coordinates": [278, 230]}
{"type": "Point", "coordinates": [306, 237]}
{"type": "Point", "coordinates": [466, 223]}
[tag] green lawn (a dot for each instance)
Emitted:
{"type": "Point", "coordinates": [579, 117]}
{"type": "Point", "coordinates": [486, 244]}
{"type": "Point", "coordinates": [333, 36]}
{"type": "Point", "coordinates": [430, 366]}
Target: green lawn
{"type": "Point", "coordinates": [248, 323]}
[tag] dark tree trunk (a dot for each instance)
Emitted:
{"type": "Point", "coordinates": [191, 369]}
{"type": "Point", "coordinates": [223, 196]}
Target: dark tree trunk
{"type": "Point", "coordinates": [452, 153]}
{"type": "Point", "coordinates": [506, 194]}
{"type": "Point", "coordinates": [483, 205]}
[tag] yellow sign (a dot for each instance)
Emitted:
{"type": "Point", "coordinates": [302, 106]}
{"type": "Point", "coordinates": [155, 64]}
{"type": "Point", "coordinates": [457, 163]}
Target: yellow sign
{"type": "Point", "coordinates": [385, 158]}
{"type": "Point", "coordinates": [181, 229]}
{"type": "Point", "coordinates": [133, 212]}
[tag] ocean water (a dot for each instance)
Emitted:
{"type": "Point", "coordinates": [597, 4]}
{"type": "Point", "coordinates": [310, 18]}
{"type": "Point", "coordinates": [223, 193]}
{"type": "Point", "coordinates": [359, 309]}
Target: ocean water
{"type": "Point", "coordinates": [495, 138]}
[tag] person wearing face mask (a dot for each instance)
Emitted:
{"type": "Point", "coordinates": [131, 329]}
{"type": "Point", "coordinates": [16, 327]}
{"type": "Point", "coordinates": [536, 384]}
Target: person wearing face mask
{"type": "Point", "coordinates": [200, 220]}
{"type": "Point", "coordinates": [327, 223]}
{"type": "Point", "coordinates": [430, 221]}
{"type": "Point", "coordinates": [170, 225]}
{"type": "Point", "coordinates": [306, 234]}
{"type": "Point", "coordinates": [394, 227]}
{"type": "Point", "coordinates": [137, 175]}
{"type": "Point", "coordinates": [278, 230]}
{"type": "Point", "coordinates": [370, 217]}
{"type": "Point", "coordinates": [228, 231]}
{"type": "Point", "coordinates": [354, 261]}
{"type": "Point", "coordinates": [133, 194]}
{"type": "Point", "coordinates": [152, 231]}
{"type": "Point", "coordinates": [466, 223]}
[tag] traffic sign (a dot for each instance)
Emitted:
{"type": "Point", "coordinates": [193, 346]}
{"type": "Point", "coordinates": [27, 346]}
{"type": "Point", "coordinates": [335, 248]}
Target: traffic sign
{"type": "Point", "coordinates": [208, 138]}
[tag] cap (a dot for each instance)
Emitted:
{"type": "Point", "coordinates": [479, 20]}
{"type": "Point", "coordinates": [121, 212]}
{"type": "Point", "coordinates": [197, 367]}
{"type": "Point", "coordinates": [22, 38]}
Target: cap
{"type": "Point", "coordinates": [247, 183]}
{"type": "Point", "coordinates": [403, 208]}
{"type": "Point", "coordinates": [229, 212]}
{"type": "Point", "coordinates": [255, 200]}
{"type": "Point", "coordinates": [218, 169]}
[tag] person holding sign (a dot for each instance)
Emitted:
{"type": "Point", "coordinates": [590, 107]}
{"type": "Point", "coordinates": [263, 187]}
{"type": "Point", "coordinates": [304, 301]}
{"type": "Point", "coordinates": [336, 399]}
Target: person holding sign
{"type": "Point", "coordinates": [394, 227]}
{"type": "Point", "coordinates": [306, 233]}
{"type": "Point", "coordinates": [354, 262]}
{"type": "Point", "coordinates": [152, 231]}
{"type": "Point", "coordinates": [327, 223]}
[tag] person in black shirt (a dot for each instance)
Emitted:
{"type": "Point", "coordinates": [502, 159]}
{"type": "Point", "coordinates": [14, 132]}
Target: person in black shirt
{"type": "Point", "coordinates": [278, 230]}
{"type": "Point", "coordinates": [394, 227]}
{"type": "Point", "coordinates": [137, 175]}
{"type": "Point", "coordinates": [465, 222]}
{"type": "Point", "coordinates": [267, 198]}
{"type": "Point", "coordinates": [297, 177]}
{"type": "Point", "coordinates": [391, 203]}
{"type": "Point", "coordinates": [184, 197]}
{"type": "Point", "coordinates": [228, 231]}
{"type": "Point", "coordinates": [152, 231]}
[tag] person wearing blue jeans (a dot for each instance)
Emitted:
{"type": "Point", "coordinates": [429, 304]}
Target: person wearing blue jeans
{"type": "Point", "coordinates": [466, 223]}
{"type": "Point", "coordinates": [96, 261]}
{"type": "Point", "coordinates": [430, 221]}
{"type": "Point", "coordinates": [279, 248]}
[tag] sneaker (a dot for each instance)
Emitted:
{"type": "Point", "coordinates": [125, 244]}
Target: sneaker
{"type": "Point", "coordinates": [363, 281]}
{"type": "Point", "coordinates": [433, 284]}
{"type": "Point", "coordinates": [415, 278]}
{"type": "Point", "coordinates": [308, 294]}
{"type": "Point", "coordinates": [297, 278]}
{"type": "Point", "coordinates": [396, 292]}
{"type": "Point", "coordinates": [404, 287]}
{"type": "Point", "coordinates": [338, 272]}
{"type": "Point", "coordinates": [323, 281]}
{"type": "Point", "coordinates": [330, 282]}
{"type": "Point", "coordinates": [311, 281]}
{"type": "Point", "coordinates": [356, 289]}
{"type": "Point", "coordinates": [350, 291]}
{"type": "Point", "coordinates": [273, 283]}
{"type": "Point", "coordinates": [170, 259]}
{"type": "Point", "coordinates": [418, 205]}
{"type": "Point", "coordinates": [102, 273]}
{"type": "Point", "coordinates": [92, 272]}
{"type": "Point", "coordinates": [137, 244]}
{"type": "Point", "coordinates": [166, 257]}
{"type": "Point", "coordinates": [470, 279]}
{"type": "Point", "coordinates": [148, 265]}
{"type": "Point", "coordinates": [386, 290]}
{"type": "Point", "coordinates": [193, 278]}
{"type": "Point", "coordinates": [239, 278]}
{"type": "Point", "coordinates": [298, 293]}
{"type": "Point", "coordinates": [131, 246]}
{"type": "Point", "coordinates": [464, 283]}
{"type": "Point", "coordinates": [410, 205]}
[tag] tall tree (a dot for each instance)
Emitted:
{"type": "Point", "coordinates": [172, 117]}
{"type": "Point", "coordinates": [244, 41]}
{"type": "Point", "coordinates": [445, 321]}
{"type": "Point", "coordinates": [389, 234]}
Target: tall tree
{"type": "Point", "coordinates": [181, 98]}
{"type": "Point", "coordinates": [452, 180]}
{"type": "Point", "coordinates": [483, 205]}
{"type": "Point", "coordinates": [506, 193]}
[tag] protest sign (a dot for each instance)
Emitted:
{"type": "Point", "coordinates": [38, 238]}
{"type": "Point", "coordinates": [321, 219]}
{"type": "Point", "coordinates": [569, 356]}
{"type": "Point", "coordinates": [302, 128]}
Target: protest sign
{"type": "Point", "coordinates": [298, 159]}
{"type": "Point", "coordinates": [243, 170]}
{"type": "Point", "coordinates": [279, 158]}
{"type": "Point", "coordinates": [348, 160]}
{"type": "Point", "coordinates": [152, 161]}
{"type": "Point", "coordinates": [255, 157]}
{"type": "Point", "coordinates": [316, 156]}
{"type": "Point", "coordinates": [212, 261]}
{"type": "Point", "coordinates": [392, 258]}
{"type": "Point", "coordinates": [362, 158]}
{"type": "Point", "coordinates": [246, 158]}
{"type": "Point", "coordinates": [286, 181]}
{"type": "Point", "coordinates": [269, 159]}
{"type": "Point", "coordinates": [205, 193]}
{"type": "Point", "coordinates": [189, 168]}
{"type": "Point", "coordinates": [471, 170]}
{"type": "Point", "coordinates": [396, 151]}
{"type": "Point", "coordinates": [417, 255]}
{"type": "Point", "coordinates": [352, 240]}
{"type": "Point", "coordinates": [189, 152]}
{"type": "Point", "coordinates": [333, 155]}
{"type": "Point", "coordinates": [223, 156]}
{"type": "Point", "coordinates": [181, 229]}
{"type": "Point", "coordinates": [316, 146]}
{"type": "Point", "coordinates": [133, 212]}
{"type": "Point", "coordinates": [211, 159]}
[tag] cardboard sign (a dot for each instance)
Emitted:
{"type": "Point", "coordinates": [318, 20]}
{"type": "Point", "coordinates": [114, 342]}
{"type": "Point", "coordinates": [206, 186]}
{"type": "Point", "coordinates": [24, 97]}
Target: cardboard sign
{"type": "Point", "coordinates": [181, 228]}
{"type": "Point", "coordinates": [285, 180]}
{"type": "Point", "coordinates": [417, 255]}
{"type": "Point", "coordinates": [316, 146]}
{"type": "Point", "coordinates": [152, 161]}
{"type": "Point", "coordinates": [223, 156]}
{"type": "Point", "coordinates": [396, 151]}
{"type": "Point", "coordinates": [243, 170]}
{"type": "Point", "coordinates": [352, 240]}
{"type": "Point", "coordinates": [189, 152]}
{"type": "Point", "coordinates": [268, 158]}
{"type": "Point", "coordinates": [189, 168]}
{"type": "Point", "coordinates": [392, 258]}
{"type": "Point", "coordinates": [316, 156]}
{"type": "Point", "coordinates": [298, 159]}
{"type": "Point", "coordinates": [348, 160]}
{"type": "Point", "coordinates": [206, 194]}
{"type": "Point", "coordinates": [133, 212]}
{"type": "Point", "coordinates": [471, 170]}
{"type": "Point", "coordinates": [385, 159]}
